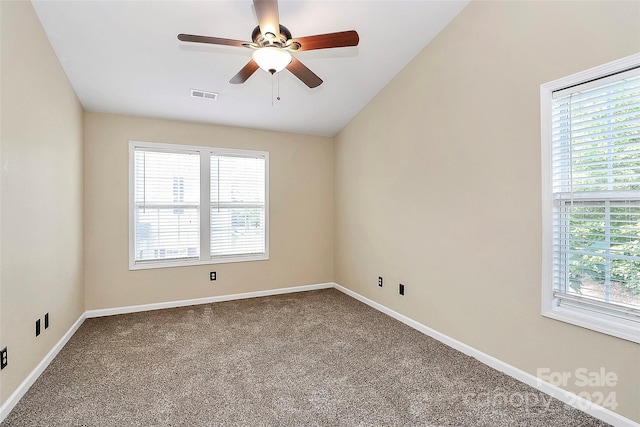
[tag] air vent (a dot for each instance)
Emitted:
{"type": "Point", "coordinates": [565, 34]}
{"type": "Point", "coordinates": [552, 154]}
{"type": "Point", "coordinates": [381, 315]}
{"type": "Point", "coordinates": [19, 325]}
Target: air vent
{"type": "Point", "coordinates": [203, 94]}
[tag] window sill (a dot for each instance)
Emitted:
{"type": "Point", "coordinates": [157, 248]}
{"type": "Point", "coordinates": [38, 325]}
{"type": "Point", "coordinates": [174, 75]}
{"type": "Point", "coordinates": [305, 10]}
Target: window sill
{"type": "Point", "coordinates": [621, 328]}
{"type": "Point", "coordinates": [148, 265]}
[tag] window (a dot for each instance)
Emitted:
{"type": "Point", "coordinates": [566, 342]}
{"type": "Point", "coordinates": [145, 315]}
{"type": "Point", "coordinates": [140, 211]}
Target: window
{"type": "Point", "coordinates": [591, 198]}
{"type": "Point", "coordinates": [196, 205]}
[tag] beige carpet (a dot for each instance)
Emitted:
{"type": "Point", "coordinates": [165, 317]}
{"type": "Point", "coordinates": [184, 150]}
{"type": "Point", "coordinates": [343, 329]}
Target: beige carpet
{"type": "Point", "coordinates": [311, 358]}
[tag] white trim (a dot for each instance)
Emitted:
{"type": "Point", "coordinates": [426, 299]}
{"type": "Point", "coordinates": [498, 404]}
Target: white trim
{"type": "Point", "coordinates": [186, 262]}
{"type": "Point", "coordinates": [547, 200]}
{"type": "Point", "coordinates": [556, 392]}
{"type": "Point", "coordinates": [619, 75]}
{"type": "Point", "coordinates": [600, 322]}
{"type": "Point", "coordinates": [15, 397]}
{"type": "Point", "coordinates": [132, 204]}
{"type": "Point", "coordinates": [602, 70]}
{"type": "Point", "coordinates": [206, 300]}
{"type": "Point", "coordinates": [205, 214]}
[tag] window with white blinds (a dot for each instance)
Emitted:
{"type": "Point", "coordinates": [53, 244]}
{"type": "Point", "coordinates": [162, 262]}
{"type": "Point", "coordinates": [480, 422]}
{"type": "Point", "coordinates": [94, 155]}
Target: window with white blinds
{"type": "Point", "coordinates": [591, 159]}
{"type": "Point", "coordinates": [167, 205]}
{"type": "Point", "coordinates": [169, 185]}
{"type": "Point", "coordinates": [237, 205]}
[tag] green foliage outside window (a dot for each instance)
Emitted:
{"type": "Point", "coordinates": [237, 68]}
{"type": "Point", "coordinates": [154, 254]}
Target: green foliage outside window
{"type": "Point", "coordinates": [604, 235]}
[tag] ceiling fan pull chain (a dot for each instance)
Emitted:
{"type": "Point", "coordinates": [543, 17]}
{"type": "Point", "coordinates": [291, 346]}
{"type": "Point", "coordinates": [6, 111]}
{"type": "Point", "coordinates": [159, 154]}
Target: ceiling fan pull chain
{"type": "Point", "coordinates": [278, 98]}
{"type": "Point", "coordinates": [275, 92]}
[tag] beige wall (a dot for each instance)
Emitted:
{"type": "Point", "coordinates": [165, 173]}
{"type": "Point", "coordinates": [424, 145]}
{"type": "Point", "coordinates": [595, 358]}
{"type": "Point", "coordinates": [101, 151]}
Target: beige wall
{"type": "Point", "coordinates": [438, 184]}
{"type": "Point", "coordinates": [432, 189]}
{"type": "Point", "coordinates": [301, 213]}
{"type": "Point", "coordinates": [41, 193]}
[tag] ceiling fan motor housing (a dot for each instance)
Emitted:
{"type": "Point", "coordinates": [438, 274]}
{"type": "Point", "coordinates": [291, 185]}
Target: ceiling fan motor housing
{"type": "Point", "coordinates": [263, 41]}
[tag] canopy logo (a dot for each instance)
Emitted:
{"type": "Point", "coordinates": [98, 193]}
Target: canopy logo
{"type": "Point", "coordinates": [583, 377]}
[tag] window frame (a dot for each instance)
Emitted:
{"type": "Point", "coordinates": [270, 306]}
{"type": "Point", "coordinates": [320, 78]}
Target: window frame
{"type": "Point", "coordinates": [578, 313]}
{"type": "Point", "coordinates": [205, 257]}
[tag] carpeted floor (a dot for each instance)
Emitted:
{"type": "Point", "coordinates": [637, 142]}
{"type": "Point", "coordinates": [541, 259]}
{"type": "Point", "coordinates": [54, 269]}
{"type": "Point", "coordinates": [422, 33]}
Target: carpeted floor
{"type": "Point", "coordinates": [310, 358]}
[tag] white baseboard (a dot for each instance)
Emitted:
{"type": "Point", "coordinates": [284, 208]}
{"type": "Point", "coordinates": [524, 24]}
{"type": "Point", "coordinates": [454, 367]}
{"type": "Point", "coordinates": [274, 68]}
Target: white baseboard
{"type": "Point", "coordinates": [206, 300]}
{"type": "Point", "coordinates": [556, 392]}
{"type": "Point", "coordinates": [15, 397]}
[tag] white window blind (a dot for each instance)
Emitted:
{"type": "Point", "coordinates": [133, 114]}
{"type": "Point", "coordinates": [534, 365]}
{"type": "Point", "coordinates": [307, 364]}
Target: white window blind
{"type": "Point", "coordinates": [237, 205]}
{"type": "Point", "coordinates": [167, 205]}
{"type": "Point", "coordinates": [595, 133]}
{"type": "Point", "coordinates": [168, 185]}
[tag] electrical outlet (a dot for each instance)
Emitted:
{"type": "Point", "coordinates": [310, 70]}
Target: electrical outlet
{"type": "Point", "coordinates": [37, 327]}
{"type": "Point", "coordinates": [401, 289]}
{"type": "Point", "coordinates": [212, 276]}
{"type": "Point", "coordinates": [46, 321]}
{"type": "Point", "coordinates": [3, 358]}
{"type": "Point", "coordinates": [380, 281]}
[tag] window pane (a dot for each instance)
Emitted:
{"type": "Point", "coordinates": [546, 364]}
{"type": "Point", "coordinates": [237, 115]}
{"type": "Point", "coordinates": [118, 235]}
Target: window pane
{"type": "Point", "coordinates": [167, 178]}
{"type": "Point", "coordinates": [237, 205]}
{"type": "Point", "coordinates": [167, 199]}
{"type": "Point", "coordinates": [603, 242]}
{"type": "Point", "coordinates": [237, 231]}
{"type": "Point", "coordinates": [167, 233]}
{"type": "Point", "coordinates": [596, 182]}
{"type": "Point", "coordinates": [596, 137]}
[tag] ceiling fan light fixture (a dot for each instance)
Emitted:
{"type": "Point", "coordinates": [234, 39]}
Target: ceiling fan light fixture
{"type": "Point", "coordinates": [272, 59]}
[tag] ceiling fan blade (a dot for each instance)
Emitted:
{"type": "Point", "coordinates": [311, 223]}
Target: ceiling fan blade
{"type": "Point", "coordinates": [267, 11]}
{"type": "Point", "coordinates": [245, 73]}
{"type": "Point", "coordinates": [326, 41]}
{"type": "Point", "coordinates": [303, 73]}
{"type": "Point", "coordinates": [211, 40]}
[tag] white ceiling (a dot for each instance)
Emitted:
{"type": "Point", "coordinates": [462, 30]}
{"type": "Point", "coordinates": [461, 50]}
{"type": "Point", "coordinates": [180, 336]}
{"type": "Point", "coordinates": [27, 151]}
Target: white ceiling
{"type": "Point", "coordinates": [124, 57]}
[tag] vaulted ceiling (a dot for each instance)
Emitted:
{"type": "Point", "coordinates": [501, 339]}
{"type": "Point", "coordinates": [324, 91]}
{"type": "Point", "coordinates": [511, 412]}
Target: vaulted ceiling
{"type": "Point", "coordinates": [124, 57]}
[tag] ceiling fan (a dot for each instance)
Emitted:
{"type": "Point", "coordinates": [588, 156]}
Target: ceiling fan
{"type": "Point", "coordinates": [273, 44]}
